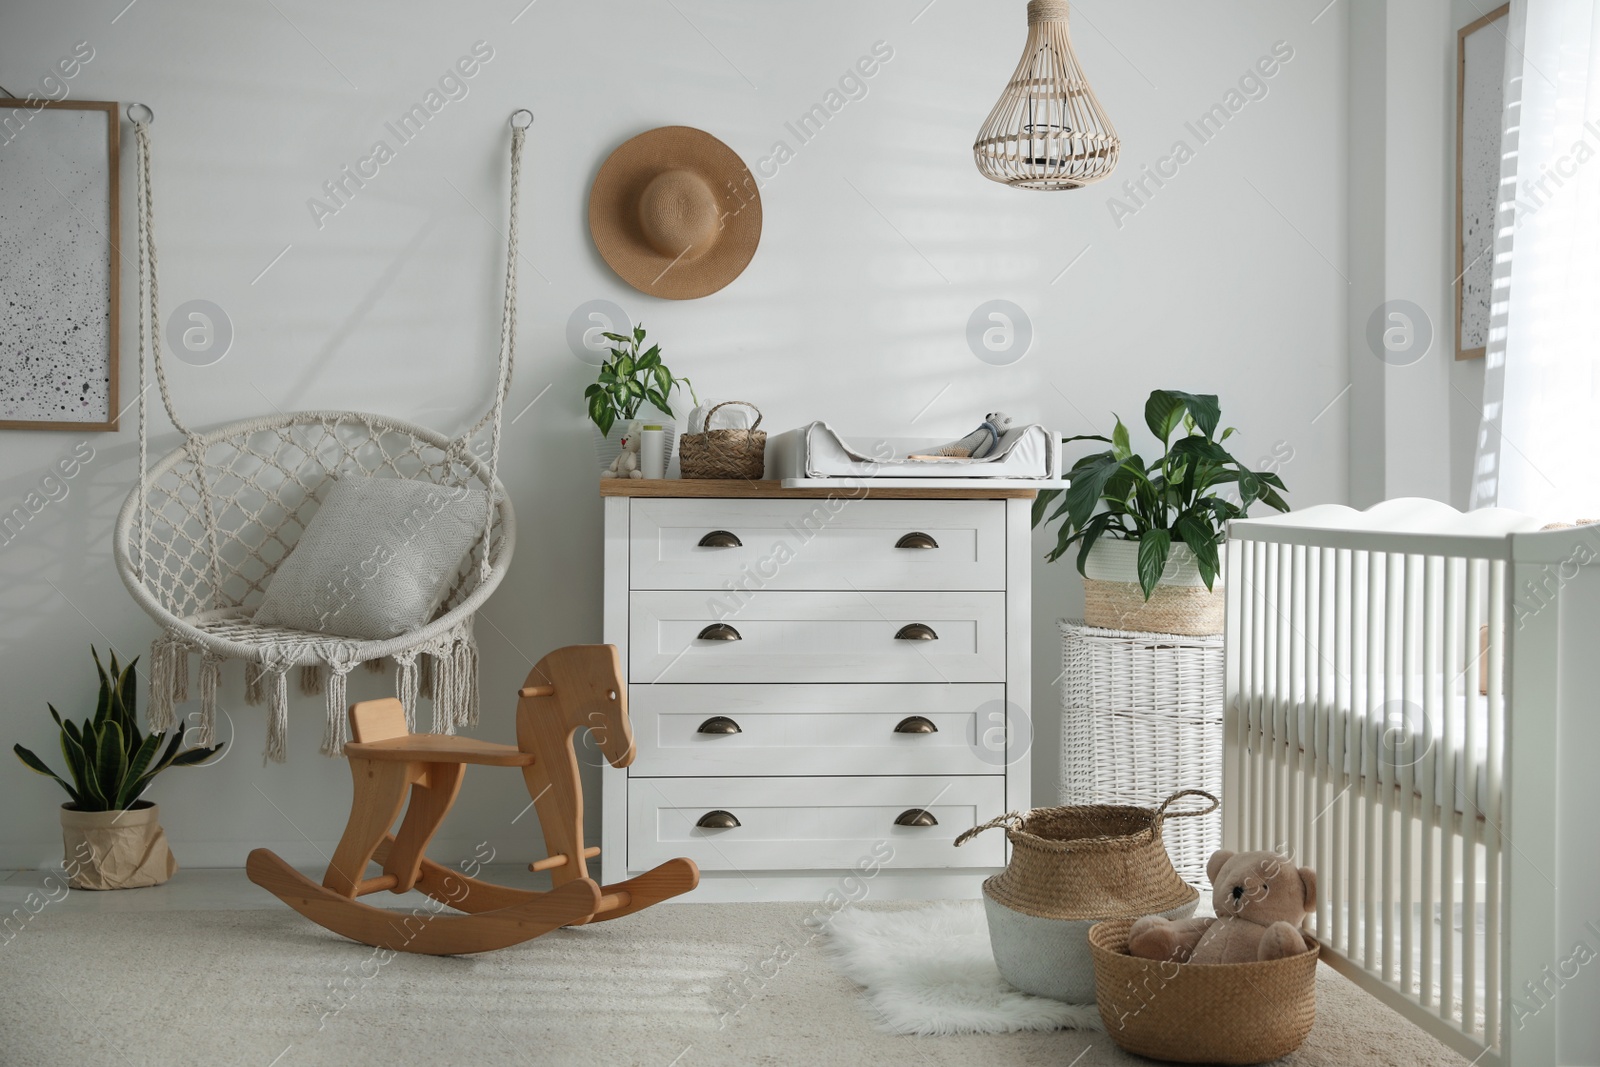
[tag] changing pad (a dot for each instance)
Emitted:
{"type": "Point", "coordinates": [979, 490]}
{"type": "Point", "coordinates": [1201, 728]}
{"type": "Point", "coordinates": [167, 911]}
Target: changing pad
{"type": "Point", "coordinates": [818, 451]}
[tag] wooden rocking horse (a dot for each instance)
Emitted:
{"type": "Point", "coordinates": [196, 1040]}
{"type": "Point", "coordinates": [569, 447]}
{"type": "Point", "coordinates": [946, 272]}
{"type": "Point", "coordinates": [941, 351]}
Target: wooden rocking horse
{"type": "Point", "coordinates": [578, 687]}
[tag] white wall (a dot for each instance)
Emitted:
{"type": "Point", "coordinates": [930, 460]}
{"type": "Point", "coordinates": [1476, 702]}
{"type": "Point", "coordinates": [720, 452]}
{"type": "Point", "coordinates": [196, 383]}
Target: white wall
{"type": "Point", "coordinates": [1416, 423]}
{"type": "Point", "coordinates": [880, 240]}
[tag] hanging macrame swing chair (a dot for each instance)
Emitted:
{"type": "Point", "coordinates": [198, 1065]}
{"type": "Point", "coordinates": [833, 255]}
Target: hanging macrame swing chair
{"type": "Point", "coordinates": [198, 540]}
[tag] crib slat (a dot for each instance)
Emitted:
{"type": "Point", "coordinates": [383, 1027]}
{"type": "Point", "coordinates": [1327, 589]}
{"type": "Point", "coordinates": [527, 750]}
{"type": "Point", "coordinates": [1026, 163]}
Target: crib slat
{"type": "Point", "coordinates": [1260, 625]}
{"type": "Point", "coordinates": [1283, 702]}
{"type": "Point", "coordinates": [1339, 729]}
{"type": "Point", "coordinates": [1411, 672]}
{"type": "Point", "coordinates": [1233, 736]}
{"type": "Point", "coordinates": [1303, 703]}
{"type": "Point", "coordinates": [1466, 799]}
{"type": "Point", "coordinates": [1432, 668]}
{"type": "Point", "coordinates": [1455, 638]}
{"type": "Point", "coordinates": [1368, 765]}
{"type": "Point", "coordinates": [1493, 770]}
{"type": "Point", "coordinates": [1385, 768]}
{"type": "Point", "coordinates": [1327, 668]}
{"type": "Point", "coordinates": [1244, 647]}
{"type": "Point", "coordinates": [1270, 807]}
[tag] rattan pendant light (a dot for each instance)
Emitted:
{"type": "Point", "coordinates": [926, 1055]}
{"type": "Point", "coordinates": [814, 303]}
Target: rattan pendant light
{"type": "Point", "coordinates": [1048, 131]}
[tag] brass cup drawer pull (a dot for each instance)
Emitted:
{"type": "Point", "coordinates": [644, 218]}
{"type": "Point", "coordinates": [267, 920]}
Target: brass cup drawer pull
{"type": "Point", "coordinates": [916, 817]}
{"type": "Point", "coordinates": [916, 540]}
{"type": "Point", "coordinates": [719, 725]}
{"type": "Point", "coordinates": [915, 724]}
{"type": "Point", "coordinates": [721, 539]}
{"type": "Point", "coordinates": [915, 631]}
{"type": "Point", "coordinates": [719, 631]}
{"type": "Point", "coordinates": [717, 820]}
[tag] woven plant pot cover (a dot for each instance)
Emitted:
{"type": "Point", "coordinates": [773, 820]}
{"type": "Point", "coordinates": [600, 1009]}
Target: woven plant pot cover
{"type": "Point", "coordinates": [1179, 604]}
{"type": "Point", "coordinates": [1171, 609]}
{"type": "Point", "coordinates": [1202, 1012]}
{"type": "Point", "coordinates": [116, 849]}
{"type": "Point", "coordinates": [1090, 862]}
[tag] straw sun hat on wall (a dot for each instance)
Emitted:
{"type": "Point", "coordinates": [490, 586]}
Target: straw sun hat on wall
{"type": "Point", "coordinates": [675, 213]}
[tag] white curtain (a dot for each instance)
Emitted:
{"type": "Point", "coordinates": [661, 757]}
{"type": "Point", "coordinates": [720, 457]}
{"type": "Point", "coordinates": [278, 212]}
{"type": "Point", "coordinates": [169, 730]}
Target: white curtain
{"type": "Point", "coordinates": [1542, 439]}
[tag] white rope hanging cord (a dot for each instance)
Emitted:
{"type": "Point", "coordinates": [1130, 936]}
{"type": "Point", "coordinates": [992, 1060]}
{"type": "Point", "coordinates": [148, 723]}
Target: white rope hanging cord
{"type": "Point", "coordinates": [150, 340]}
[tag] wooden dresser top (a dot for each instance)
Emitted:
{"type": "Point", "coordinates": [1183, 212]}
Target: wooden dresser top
{"type": "Point", "coordinates": [873, 489]}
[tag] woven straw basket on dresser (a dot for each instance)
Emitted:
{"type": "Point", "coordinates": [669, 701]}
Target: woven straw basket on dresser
{"type": "Point", "coordinates": [1071, 868]}
{"type": "Point", "coordinates": [1202, 1012]}
{"type": "Point", "coordinates": [724, 453]}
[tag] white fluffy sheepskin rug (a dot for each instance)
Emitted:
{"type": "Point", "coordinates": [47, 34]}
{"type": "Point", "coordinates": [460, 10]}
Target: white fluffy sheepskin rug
{"type": "Point", "coordinates": [929, 971]}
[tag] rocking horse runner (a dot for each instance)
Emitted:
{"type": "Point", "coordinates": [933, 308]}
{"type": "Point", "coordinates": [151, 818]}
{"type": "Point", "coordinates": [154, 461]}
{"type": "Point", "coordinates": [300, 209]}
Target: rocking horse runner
{"type": "Point", "coordinates": [573, 688]}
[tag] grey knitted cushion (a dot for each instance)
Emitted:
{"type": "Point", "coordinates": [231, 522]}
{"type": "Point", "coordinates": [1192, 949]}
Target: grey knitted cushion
{"type": "Point", "coordinates": [376, 559]}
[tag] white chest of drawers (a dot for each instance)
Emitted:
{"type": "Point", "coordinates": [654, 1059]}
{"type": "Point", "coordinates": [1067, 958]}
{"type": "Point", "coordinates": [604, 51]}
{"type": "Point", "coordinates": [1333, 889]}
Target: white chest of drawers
{"type": "Point", "coordinates": [825, 688]}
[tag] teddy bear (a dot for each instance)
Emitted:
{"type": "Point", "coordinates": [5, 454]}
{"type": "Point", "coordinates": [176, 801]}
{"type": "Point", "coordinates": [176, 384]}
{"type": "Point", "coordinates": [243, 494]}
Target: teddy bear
{"type": "Point", "coordinates": [1260, 900]}
{"type": "Point", "coordinates": [626, 465]}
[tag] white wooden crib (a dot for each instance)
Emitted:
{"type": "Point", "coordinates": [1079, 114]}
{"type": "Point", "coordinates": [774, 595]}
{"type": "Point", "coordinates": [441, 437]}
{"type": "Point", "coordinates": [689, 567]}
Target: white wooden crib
{"type": "Point", "coordinates": [1413, 708]}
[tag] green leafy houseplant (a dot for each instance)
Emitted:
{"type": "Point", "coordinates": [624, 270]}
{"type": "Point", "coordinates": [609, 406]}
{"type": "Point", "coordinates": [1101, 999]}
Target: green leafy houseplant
{"type": "Point", "coordinates": [110, 761]}
{"type": "Point", "coordinates": [628, 379]}
{"type": "Point", "coordinates": [1170, 499]}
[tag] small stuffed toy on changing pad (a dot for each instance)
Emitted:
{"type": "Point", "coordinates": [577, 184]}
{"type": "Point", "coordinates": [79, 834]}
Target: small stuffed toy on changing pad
{"type": "Point", "coordinates": [975, 445]}
{"type": "Point", "coordinates": [1260, 901]}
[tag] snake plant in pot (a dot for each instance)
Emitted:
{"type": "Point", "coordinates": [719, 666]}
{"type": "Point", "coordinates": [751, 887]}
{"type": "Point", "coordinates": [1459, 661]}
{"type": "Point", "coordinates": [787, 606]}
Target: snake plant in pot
{"type": "Point", "coordinates": [113, 837]}
{"type": "Point", "coordinates": [1149, 534]}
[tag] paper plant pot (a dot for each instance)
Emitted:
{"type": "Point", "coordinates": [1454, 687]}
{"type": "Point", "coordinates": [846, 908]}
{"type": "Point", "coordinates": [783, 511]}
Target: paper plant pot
{"type": "Point", "coordinates": [1180, 604]}
{"type": "Point", "coordinates": [116, 849]}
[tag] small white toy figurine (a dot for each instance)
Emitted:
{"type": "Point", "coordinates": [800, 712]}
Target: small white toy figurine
{"type": "Point", "coordinates": [626, 465]}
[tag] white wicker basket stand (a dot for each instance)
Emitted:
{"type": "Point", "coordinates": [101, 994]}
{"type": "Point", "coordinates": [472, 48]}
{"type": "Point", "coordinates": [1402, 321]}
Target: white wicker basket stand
{"type": "Point", "coordinates": [1142, 718]}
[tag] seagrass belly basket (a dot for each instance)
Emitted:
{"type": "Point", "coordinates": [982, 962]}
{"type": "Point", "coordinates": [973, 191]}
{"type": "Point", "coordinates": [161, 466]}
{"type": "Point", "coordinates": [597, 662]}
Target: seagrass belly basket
{"type": "Point", "coordinates": [1070, 868]}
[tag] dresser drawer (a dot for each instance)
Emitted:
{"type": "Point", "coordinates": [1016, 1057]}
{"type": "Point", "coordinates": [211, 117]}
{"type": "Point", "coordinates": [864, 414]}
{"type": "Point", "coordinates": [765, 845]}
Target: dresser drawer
{"type": "Point", "coordinates": [813, 823]}
{"type": "Point", "coordinates": [816, 637]}
{"type": "Point", "coordinates": [814, 729]}
{"type": "Point", "coordinates": [817, 544]}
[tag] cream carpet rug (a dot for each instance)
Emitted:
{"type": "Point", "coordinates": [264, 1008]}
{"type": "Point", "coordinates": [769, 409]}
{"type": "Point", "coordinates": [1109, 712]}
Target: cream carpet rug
{"type": "Point", "coordinates": [685, 985]}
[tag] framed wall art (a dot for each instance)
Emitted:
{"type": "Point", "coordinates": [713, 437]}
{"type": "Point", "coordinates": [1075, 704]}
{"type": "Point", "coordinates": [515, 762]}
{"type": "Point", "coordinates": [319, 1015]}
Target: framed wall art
{"type": "Point", "coordinates": [1480, 103]}
{"type": "Point", "coordinates": [58, 265]}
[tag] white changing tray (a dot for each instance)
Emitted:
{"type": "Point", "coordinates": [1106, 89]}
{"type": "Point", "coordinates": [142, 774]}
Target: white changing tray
{"type": "Point", "coordinates": [1028, 457]}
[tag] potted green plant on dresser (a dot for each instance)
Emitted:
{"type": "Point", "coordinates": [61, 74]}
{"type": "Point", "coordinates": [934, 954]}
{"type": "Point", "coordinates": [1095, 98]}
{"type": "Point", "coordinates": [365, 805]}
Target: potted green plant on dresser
{"type": "Point", "coordinates": [1149, 533]}
{"type": "Point", "coordinates": [113, 838]}
{"type": "Point", "coordinates": [628, 380]}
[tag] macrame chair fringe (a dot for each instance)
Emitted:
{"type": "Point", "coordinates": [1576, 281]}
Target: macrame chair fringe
{"type": "Point", "coordinates": [336, 728]}
{"type": "Point", "coordinates": [188, 540]}
{"type": "Point", "coordinates": [164, 667]}
{"type": "Point", "coordinates": [278, 719]}
{"type": "Point", "coordinates": [425, 665]}
{"type": "Point", "coordinates": [405, 686]}
{"type": "Point", "coordinates": [254, 684]}
{"type": "Point", "coordinates": [466, 689]}
{"type": "Point", "coordinates": [210, 680]}
{"type": "Point", "coordinates": [445, 670]}
{"type": "Point", "coordinates": [341, 659]}
{"type": "Point", "coordinates": [180, 670]}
